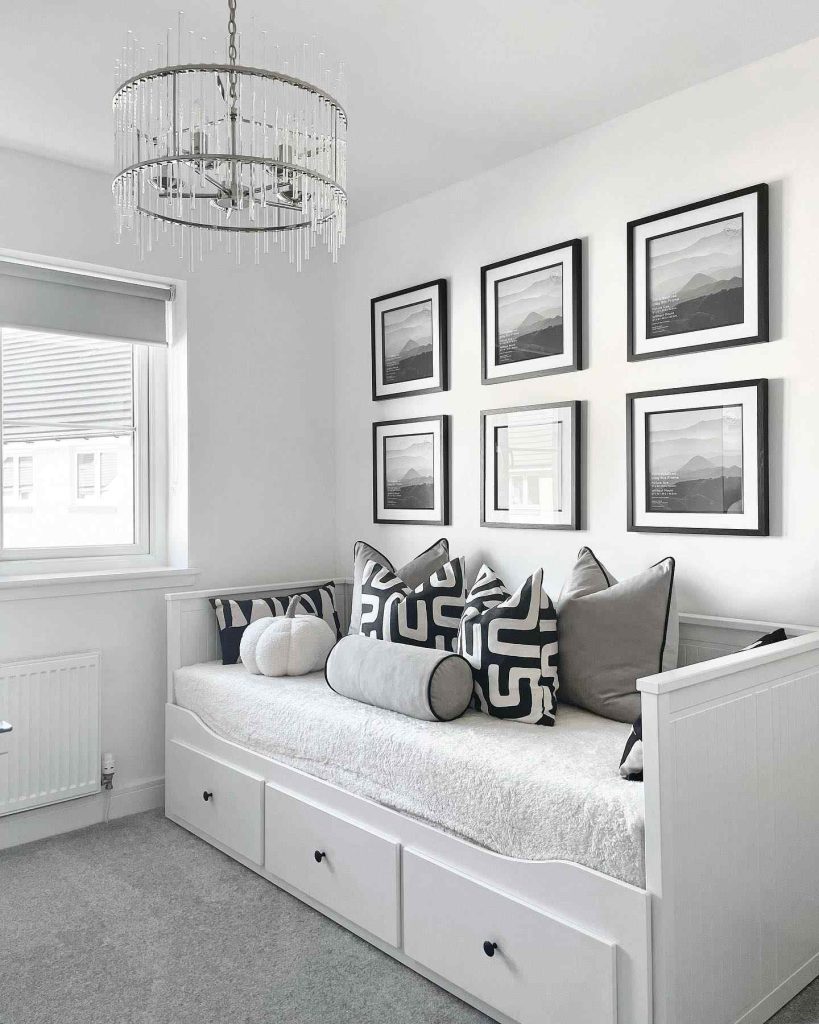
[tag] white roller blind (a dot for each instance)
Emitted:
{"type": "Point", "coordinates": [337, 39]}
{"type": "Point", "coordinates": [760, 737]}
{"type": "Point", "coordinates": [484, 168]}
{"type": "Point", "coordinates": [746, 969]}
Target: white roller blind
{"type": "Point", "coordinates": [46, 299]}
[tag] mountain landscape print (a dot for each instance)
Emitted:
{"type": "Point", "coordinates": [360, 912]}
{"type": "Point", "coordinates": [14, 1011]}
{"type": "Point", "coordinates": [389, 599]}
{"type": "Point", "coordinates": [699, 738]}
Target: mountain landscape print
{"type": "Point", "coordinates": [529, 315]}
{"type": "Point", "coordinates": [406, 335]}
{"type": "Point", "coordinates": [409, 471]}
{"type": "Point", "coordinates": [695, 279]}
{"type": "Point", "coordinates": [694, 460]}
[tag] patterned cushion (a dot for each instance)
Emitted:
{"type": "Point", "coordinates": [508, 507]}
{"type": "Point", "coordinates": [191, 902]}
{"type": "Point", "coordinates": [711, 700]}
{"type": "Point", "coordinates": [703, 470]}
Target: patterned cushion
{"type": "Point", "coordinates": [416, 571]}
{"type": "Point", "coordinates": [511, 643]}
{"type": "Point", "coordinates": [427, 616]}
{"type": "Point", "coordinates": [234, 616]}
{"type": "Point", "coordinates": [631, 763]}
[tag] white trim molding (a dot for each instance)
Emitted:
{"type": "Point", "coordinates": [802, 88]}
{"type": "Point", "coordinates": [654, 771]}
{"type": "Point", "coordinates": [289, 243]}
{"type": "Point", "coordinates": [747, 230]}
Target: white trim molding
{"type": "Point", "coordinates": [44, 822]}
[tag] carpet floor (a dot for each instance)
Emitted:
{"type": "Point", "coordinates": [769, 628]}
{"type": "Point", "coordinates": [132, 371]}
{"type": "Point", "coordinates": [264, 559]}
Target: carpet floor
{"type": "Point", "coordinates": [139, 922]}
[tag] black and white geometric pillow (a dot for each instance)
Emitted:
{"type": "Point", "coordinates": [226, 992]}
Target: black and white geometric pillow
{"type": "Point", "coordinates": [427, 616]}
{"type": "Point", "coordinates": [511, 643]}
{"type": "Point", "coordinates": [487, 591]}
{"type": "Point", "coordinates": [631, 763]}
{"type": "Point", "coordinates": [234, 616]}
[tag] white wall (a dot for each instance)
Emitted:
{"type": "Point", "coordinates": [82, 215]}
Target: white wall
{"type": "Point", "coordinates": [760, 123]}
{"type": "Point", "coordinates": [260, 450]}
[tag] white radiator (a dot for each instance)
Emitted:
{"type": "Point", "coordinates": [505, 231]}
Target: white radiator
{"type": "Point", "coordinates": [53, 752]}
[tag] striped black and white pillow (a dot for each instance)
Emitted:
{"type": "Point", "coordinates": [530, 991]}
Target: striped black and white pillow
{"type": "Point", "coordinates": [234, 616]}
{"type": "Point", "coordinates": [510, 640]}
{"type": "Point", "coordinates": [427, 616]}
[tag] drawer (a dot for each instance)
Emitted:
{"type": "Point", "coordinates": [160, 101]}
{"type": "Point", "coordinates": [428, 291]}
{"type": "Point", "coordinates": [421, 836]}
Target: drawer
{"type": "Point", "coordinates": [233, 812]}
{"type": "Point", "coordinates": [540, 971]}
{"type": "Point", "coordinates": [344, 866]}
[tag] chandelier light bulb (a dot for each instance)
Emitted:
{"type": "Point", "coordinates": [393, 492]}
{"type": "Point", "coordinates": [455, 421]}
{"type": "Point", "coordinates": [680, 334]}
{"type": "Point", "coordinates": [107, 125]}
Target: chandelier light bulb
{"type": "Point", "coordinates": [212, 151]}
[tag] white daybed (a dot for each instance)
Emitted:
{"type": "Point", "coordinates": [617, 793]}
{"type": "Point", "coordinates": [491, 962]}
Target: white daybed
{"type": "Point", "coordinates": [725, 928]}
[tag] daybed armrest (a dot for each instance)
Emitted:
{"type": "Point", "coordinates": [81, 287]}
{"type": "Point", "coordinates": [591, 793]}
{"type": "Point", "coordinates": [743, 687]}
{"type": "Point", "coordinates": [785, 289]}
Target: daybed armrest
{"type": "Point", "coordinates": [731, 769]}
{"type": "Point", "coordinates": [731, 672]}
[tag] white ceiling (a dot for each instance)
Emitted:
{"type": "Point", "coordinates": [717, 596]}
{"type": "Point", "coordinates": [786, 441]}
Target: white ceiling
{"type": "Point", "coordinates": [438, 89]}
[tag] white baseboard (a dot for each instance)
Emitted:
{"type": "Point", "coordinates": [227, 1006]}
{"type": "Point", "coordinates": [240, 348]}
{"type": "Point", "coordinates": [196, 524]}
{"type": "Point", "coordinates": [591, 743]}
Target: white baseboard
{"type": "Point", "coordinates": [42, 822]}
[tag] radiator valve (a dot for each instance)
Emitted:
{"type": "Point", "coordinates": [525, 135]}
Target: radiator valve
{"type": "Point", "coordinates": [108, 771]}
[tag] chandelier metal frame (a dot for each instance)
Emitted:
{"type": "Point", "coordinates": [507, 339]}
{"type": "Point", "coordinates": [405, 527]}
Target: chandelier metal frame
{"type": "Point", "coordinates": [228, 150]}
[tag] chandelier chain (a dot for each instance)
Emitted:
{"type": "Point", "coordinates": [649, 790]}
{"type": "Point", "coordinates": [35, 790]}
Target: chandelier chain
{"type": "Point", "coordinates": [232, 51]}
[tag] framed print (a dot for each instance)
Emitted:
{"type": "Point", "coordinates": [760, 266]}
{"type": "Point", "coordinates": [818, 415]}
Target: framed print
{"type": "Point", "coordinates": [531, 314]}
{"type": "Point", "coordinates": [411, 471]}
{"type": "Point", "coordinates": [409, 341]}
{"type": "Point", "coordinates": [530, 467]}
{"type": "Point", "coordinates": [698, 459]}
{"type": "Point", "coordinates": [698, 276]}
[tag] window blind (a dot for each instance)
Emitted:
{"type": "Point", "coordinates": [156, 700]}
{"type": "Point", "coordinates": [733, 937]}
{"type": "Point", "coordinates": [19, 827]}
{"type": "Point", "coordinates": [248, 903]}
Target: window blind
{"type": "Point", "coordinates": [68, 302]}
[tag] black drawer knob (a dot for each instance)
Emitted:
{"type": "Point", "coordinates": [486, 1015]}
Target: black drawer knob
{"type": "Point", "coordinates": [319, 856]}
{"type": "Point", "coordinates": [207, 796]}
{"type": "Point", "coordinates": [489, 948]}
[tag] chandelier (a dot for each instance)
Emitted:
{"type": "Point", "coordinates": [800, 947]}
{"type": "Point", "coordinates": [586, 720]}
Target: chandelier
{"type": "Point", "coordinates": [218, 152]}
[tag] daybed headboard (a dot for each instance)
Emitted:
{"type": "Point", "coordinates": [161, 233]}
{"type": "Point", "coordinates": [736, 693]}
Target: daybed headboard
{"type": "Point", "coordinates": [192, 634]}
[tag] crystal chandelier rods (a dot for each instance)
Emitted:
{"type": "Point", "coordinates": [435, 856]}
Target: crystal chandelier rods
{"type": "Point", "coordinates": [211, 151]}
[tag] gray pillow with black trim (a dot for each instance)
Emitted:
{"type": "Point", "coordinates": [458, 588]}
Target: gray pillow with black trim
{"type": "Point", "coordinates": [432, 685]}
{"type": "Point", "coordinates": [611, 634]}
{"type": "Point", "coordinates": [417, 570]}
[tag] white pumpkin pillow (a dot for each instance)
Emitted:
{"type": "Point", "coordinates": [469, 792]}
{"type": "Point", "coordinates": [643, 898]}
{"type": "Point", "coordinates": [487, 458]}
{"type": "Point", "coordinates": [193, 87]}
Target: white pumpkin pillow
{"type": "Point", "coordinates": [286, 645]}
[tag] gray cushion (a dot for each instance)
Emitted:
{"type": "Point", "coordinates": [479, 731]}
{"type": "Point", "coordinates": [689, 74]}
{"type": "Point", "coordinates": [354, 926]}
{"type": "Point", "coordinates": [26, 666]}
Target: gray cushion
{"type": "Point", "coordinates": [417, 570]}
{"type": "Point", "coordinates": [611, 634]}
{"type": "Point", "coordinates": [417, 681]}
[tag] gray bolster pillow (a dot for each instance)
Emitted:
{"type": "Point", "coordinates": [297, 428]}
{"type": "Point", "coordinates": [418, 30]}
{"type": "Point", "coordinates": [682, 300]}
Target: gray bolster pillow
{"type": "Point", "coordinates": [432, 685]}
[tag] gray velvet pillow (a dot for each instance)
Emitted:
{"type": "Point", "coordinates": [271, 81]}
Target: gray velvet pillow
{"type": "Point", "coordinates": [611, 634]}
{"type": "Point", "coordinates": [432, 685]}
{"type": "Point", "coordinates": [417, 570]}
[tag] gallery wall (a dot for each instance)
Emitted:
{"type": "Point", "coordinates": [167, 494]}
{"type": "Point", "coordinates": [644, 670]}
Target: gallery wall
{"type": "Point", "coordinates": [757, 124]}
{"type": "Point", "coordinates": [260, 455]}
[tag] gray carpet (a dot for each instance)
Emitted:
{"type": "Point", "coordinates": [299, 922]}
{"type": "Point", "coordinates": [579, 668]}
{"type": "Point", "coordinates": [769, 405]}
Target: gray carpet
{"type": "Point", "coordinates": [138, 922]}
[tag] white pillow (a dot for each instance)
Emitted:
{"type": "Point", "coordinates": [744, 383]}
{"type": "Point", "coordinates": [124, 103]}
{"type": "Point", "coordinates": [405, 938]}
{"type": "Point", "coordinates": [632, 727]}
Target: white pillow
{"type": "Point", "coordinates": [293, 645]}
{"type": "Point", "coordinates": [250, 642]}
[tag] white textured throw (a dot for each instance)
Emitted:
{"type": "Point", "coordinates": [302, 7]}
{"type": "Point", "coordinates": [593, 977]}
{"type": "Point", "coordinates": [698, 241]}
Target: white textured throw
{"type": "Point", "coordinates": [521, 790]}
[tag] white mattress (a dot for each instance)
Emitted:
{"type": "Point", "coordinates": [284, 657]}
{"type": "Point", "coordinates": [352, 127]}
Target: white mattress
{"type": "Point", "coordinates": [527, 791]}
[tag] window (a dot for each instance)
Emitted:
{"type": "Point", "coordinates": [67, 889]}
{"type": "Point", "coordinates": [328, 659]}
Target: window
{"type": "Point", "coordinates": [97, 477]}
{"type": "Point", "coordinates": [81, 419]}
{"type": "Point", "coordinates": [18, 479]}
{"type": "Point", "coordinates": [79, 407]}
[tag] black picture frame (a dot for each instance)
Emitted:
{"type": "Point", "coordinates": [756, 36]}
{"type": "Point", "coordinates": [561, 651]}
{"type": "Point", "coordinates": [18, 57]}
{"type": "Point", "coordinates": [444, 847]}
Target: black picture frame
{"type": "Point", "coordinates": [762, 334]}
{"type": "Point", "coordinates": [575, 499]}
{"type": "Point", "coordinates": [761, 458]}
{"type": "Point", "coordinates": [442, 469]}
{"type": "Point", "coordinates": [401, 298]}
{"type": "Point", "coordinates": [574, 257]}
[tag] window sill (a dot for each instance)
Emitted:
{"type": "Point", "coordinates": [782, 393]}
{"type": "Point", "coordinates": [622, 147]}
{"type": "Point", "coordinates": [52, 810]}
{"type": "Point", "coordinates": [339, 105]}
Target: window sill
{"type": "Point", "coordinates": [20, 588]}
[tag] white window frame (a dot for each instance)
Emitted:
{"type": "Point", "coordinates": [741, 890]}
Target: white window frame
{"type": "Point", "coordinates": [152, 547]}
